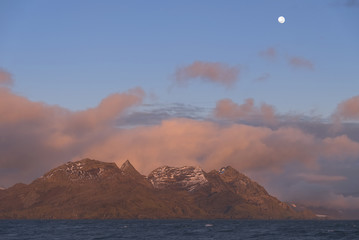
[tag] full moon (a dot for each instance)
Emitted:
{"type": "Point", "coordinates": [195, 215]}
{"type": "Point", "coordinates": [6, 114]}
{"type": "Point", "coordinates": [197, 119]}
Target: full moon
{"type": "Point", "coordinates": [281, 19]}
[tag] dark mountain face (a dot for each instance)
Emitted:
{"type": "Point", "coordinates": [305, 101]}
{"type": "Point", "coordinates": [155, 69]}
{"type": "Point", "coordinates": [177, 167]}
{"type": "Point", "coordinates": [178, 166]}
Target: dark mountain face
{"type": "Point", "coordinates": [94, 189]}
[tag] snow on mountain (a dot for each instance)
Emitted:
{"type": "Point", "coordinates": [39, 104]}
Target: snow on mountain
{"type": "Point", "coordinates": [81, 170]}
{"type": "Point", "coordinates": [188, 178]}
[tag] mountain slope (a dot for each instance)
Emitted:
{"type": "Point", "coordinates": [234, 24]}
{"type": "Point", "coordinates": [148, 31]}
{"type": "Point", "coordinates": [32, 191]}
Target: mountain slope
{"type": "Point", "coordinates": [94, 189]}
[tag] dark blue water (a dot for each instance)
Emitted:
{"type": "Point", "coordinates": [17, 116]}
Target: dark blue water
{"type": "Point", "coordinates": [177, 229]}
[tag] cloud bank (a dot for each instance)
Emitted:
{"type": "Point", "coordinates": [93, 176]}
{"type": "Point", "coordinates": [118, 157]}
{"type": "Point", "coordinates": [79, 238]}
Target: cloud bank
{"type": "Point", "coordinates": [261, 152]}
{"type": "Point", "coordinates": [208, 71]}
{"type": "Point", "coordinates": [211, 145]}
{"type": "Point", "coordinates": [36, 137]}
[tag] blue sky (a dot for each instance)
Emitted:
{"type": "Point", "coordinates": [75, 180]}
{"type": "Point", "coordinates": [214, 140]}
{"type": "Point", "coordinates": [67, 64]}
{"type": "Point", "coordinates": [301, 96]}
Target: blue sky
{"type": "Point", "coordinates": [74, 53]}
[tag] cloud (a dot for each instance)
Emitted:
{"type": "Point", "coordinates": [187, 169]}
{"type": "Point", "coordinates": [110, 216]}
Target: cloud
{"type": "Point", "coordinates": [263, 77]}
{"type": "Point", "coordinates": [347, 110]}
{"type": "Point", "coordinates": [294, 61]}
{"type": "Point", "coordinates": [5, 78]}
{"type": "Point", "coordinates": [337, 146]}
{"type": "Point", "coordinates": [319, 178]}
{"type": "Point", "coordinates": [105, 113]}
{"type": "Point", "coordinates": [299, 62]}
{"type": "Point", "coordinates": [269, 53]}
{"type": "Point", "coordinates": [153, 114]}
{"type": "Point", "coordinates": [228, 110]}
{"type": "Point", "coordinates": [191, 142]}
{"type": "Point", "coordinates": [208, 71]}
{"type": "Point", "coordinates": [36, 137]}
{"type": "Point", "coordinates": [16, 109]}
{"type": "Point", "coordinates": [211, 145]}
{"type": "Point", "coordinates": [314, 195]}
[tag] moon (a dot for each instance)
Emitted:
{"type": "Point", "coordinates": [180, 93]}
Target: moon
{"type": "Point", "coordinates": [281, 19]}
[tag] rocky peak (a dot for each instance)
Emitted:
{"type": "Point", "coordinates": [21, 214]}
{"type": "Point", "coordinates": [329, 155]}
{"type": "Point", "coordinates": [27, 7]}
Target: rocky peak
{"type": "Point", "coordinates": [85, 169]}
{"type": "Point", "coordinates": [229, 174]}
{"type": "Point", "coordinates": [188, 178]}
{"type": "Point", "coordinates": [240, 183]}
{"type": "Point", "coordinates": [128, 169]}
{"type": "Point", "coordinates": [127, 166]}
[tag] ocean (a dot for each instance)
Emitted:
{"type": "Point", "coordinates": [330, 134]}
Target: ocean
{"type": "Point", "coordinates": [177, 229]}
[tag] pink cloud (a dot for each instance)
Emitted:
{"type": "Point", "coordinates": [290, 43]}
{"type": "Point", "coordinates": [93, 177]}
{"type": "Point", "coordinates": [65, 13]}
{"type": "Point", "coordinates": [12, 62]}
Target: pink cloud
{"type": "Point", "coordinates": [16, 109]}
{"type": "Point", "coordinates": [339, 146]}
{"type": "Point", "coordinates": [348, 109]}
{"type": "Point", "coordinates": [106, 112]}
{"type": "Point", "coordinates": [190, 142]}
{"type": "Point", "coordinates": [269, 53]}
{"type": "Point", "coordinates": [5, 78]}
{"type": "Point", "coordinates": [299, 62]}
{"type": "Point", "coordinates": [227, 109]}
{"type": "Point", "coordinates": [36, 137]}
{"type": "Point", "coordinates": [208, 71]}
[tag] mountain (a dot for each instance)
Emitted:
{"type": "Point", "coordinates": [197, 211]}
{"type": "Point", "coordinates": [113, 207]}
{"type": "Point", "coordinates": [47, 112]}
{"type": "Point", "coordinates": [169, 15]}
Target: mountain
{"type": "Point", "coordinates": [92, 189]}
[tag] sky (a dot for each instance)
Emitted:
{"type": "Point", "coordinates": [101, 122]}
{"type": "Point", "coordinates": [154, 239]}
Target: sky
{"type": "Point", "coordinates": [205, 83]}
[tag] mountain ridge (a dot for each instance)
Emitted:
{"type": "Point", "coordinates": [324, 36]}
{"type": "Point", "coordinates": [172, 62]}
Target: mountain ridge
{"type": "Point", "coordinates": [89, 189]}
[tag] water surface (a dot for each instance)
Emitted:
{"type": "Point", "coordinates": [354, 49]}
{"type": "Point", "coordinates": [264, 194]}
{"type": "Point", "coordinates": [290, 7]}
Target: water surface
{"type": "Point", "coordinates": [177, 229]}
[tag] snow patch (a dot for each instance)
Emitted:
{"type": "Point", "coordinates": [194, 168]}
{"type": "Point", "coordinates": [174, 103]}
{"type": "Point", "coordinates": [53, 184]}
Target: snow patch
{"type": "Point", "coordinates": [189, 178]}
{"type": "Point", "coordinates": [75, 171]}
